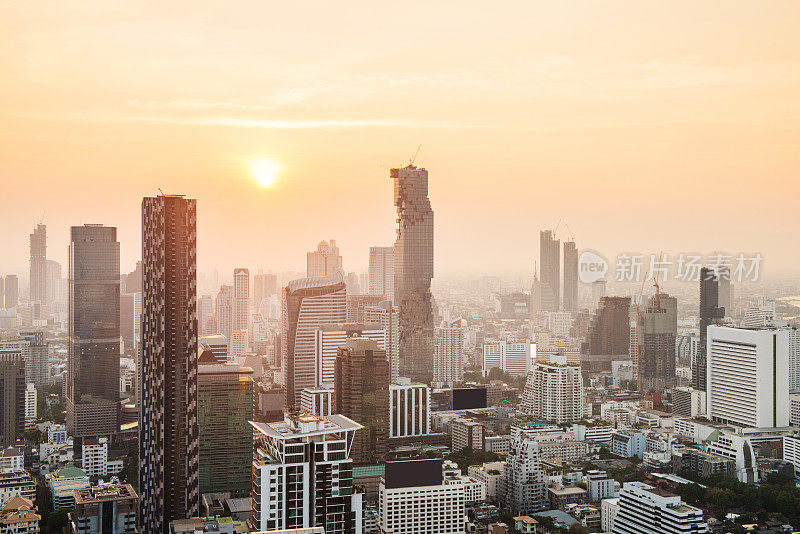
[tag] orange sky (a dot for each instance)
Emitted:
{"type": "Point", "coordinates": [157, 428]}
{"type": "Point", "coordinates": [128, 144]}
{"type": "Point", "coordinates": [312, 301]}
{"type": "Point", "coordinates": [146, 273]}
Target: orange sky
{"type": "Point", "coordinates": [646, 126]}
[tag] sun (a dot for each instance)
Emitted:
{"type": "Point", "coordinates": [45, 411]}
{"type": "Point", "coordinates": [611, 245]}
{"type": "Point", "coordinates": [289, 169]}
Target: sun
{"type": "Point", "coordinates": [264, 171]}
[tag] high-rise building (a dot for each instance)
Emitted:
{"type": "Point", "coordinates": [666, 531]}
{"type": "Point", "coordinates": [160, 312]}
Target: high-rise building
{"type": "Point", "coordinates": [570, 277]}
{"type": "Point", "coordinates": [413, 271]}
{"type": "Point", "coordinates": [55, 284]}
{"type": "Point", "coordinates": [644, 509]}
{"type": "Point", "coordinates": [37, 369]}
{"type": "Point", "coordinates": [307, 304]}
{"type": "Point", "coordinates": [264, 286]}
{"type": "Point", "coordinates": [356, 304]}
{"type": "Point", "coordinates": [325, 261]}
{"type": "Point", "coordinates": [205, 313]}
{"type": "Point", "coordinates": [658, 332]}
{"type": "Point", "coordinates": [710, 314]}
{"type": "Point", "coordinates": [225, 312]}
{"type": "Point", "coordinates": [241, 299]}
{"type": "Point", "coordinates": [30, 404]}
{"type": "Point", "coordinates": [747, 382]}
{"type": "Point", "coordinates": [448, 356]}
{"type": "Point", "coordinates": [12, 397]}
{"type": "Point", "coordinates": [327, 340]}
{"type": "Point", "coordinates": [381, 271]}
{"type": "Point", "coordinates": [2, 293]}
{"type": "Point", "coordinates": [725, 290]}
{"type": "Point", "coordinates": [524, 489]}
{"type": "Point", "coordinates": [550, 264]}
{"type": "Point", "coordinates": [94, 332]}
{"type": "Point", "coordinates": [598, 291]}
{"type": "Point", "coordinates": [224, 409]}
{"type": "Point", "coordinates": [388, 318]}
{"type": "Point", "coordinates": [303, 475]}
{"type": "Point", "coordinates": [410, 409]}
{"type": "Point", "coordinates": [554, 391]}
{"type": "Point", "coordinates": [413, 497]}
{"type": "Point", "coordinates": [168, 430]}
{"type": "Point", "coordinates": [12, 291]}
{"type": "Point", "coordinates": [512, 357]}
{"type": "Point", "coordinates": [609, 331]}
{"type": "Point", "coordinates": [38, 264]}
{"type": "Point", "coordinates": [361, 393]}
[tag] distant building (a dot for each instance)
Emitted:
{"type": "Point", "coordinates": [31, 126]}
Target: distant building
{"type": "Point", "coordinates": [448, 356]}
{"type": "Point", "coordinates": [381, 271]}
{"type": "Point", "coordinates": [264, 286]}
{"type": "Point", "coordinates": [644, 509]}
{"type": "Point", "coordinates": [570, 276]}
{"type": "Point", "coordinates": [327, 340]}
{"type": "Point", "coordinates": [524, 489]}
{"type": "Point", "coordinates": [658, 330]}
{"type": "Point", "coordinates": [467, 433]}
{"type": "Point", "coordinates": [108, 509]}
{"type": "Point", "coordinates": [12, 397]}
{"type": "Point", "coordinates": [325, 261]}
{"type": "Point", "coordinates": [710, 314]}
{"type": "Point", "coordinates": [11, 291]}
{"type": "Point", "coordinates": [225, 311]}
{"type": "Point", "coordinates": [609, 330]}
{"type": "Point", "coordinates": [513, 357]}
{"type": "Point", "coordinates": [241, 299]}
{"type": "Point", "coordinates": [409, 409]}
{"type": "Point", "coordinates": [550, 264]}
{"type": "Point", "coordinates": [38, 264]}
{"type": "Point", "coordinates": [554, 391]}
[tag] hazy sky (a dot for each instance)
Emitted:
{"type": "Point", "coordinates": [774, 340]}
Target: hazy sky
{"type": "Point", "coordinates": [646, 126]}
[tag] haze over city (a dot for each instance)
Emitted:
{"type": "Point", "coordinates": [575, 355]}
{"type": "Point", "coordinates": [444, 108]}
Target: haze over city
{"type": "Point", "coordinates": [639, 126]}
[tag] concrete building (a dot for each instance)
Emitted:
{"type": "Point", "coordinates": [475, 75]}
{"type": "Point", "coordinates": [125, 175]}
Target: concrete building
{"type": "Point", "coordinates": [550, 264]}
{"type": "Point", "coordinates": [658, 330]}
{"type": "Point", "coordinates": [30, 404]}
{"type": "Point", "coordinates": [11, 291]}
{"type": "Point", "coordinates": [791, 452]}
{"type": "Point", "coordinates": [599, 485]}
{"type": "Point", "coordinates": [302, 475]}
{"type": "Point", "coordinates": [387, 317]}
{"type": "Point", "coordinates": [381, 271]}
{"type": "Point", "coordinates": [317, 401]}
{"type": "Point", "coordinates": [328, 338]}
{"type": "Point", "coordinates": [523, 487]}
{"type": "Point", "coordinates": [570, 276]}
{"type": "Point", "coordinates": [241, 299]}
{"type": "Point", "coordinates": [413, 271]}
{"type": "Point", "coordinates": [609, 329]}
{"type": "Point", "coordinates": [12, 397]}
{"type": "Point", "coordinates": [224, 310]}
{"type": "Point", "coordinates": [307, 304]}
{"type": "Point", "coordinates": [264, 286]}
{"type": "Point", "coordinates": [94, 458]}
{"type": "Point", "coordinates": [746, 386]}
{"type": "Point", "coordinates": [168, 430]}
{"type": "Point", "coordinates": [554, 391]}
{"type": "Point", "coordinates": [448, 356]}
{"type": "Point", "coordinates": [18, 516]}
{"type": "Point", "coordinates": [644, 509]}
{"type": "Point", "coordinates": [63, 482]}
{"type": "Point", "coordinates": [491, 475]}
{"type": "Point", "coordinates": [36, 356]}
{"type": "Point", "coordinates": [325, 261]}
{"type": "Point", "coordinates": [628, 443]}
{"type": "Point", "coordinates": [409, 409]}
{"type": "Point", "coordinates": [688, 402]}
{"type": "Point", "coordinates": [414, 497]}
{"type": "Point", "coordinates": [107, 509]}
{"type": "Point", "coordinates": [608, 511]}
{"type": "Point", "coordinates": [513, 357]}
{"type": "Point", "coordinates": [94, 332]}
{"type": "Point", "coordinates": [38, 264]}
{"type": "Point", "coordinates": [467, 433]}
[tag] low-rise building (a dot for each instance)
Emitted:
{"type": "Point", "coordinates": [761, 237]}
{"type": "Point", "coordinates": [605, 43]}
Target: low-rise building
{"type": "Point", "coordinates": [63, 482]}
{"type": "Point", "coordinates": [599, 485]}
{"type": "Point", "coordinates": [108, 509]}
{"type": "Point", "coordinates": [628, 443]}
{"type": "Point", "coordinates": [561, 496]}
{"type": "Point", "coordinates": [491, 474]}
{"type": "Point", "coordinates": [467, 433]}
{"type": "Point", "coordinates": [18, 516]}
{"type": "Point", "coordinates": [608, 511]}
{"type": "Point", "coordinates": [16, 484]}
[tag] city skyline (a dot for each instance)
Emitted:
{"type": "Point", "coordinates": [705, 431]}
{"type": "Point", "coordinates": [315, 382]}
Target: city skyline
{"type": "Point", "coordinates": [647, 117]}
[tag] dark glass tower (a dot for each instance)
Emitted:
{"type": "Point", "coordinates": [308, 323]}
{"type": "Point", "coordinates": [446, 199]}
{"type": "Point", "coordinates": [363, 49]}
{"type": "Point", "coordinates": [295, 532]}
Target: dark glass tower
{"type": "Point", "coordinates": [710, 314]}
{"type": "Point", "coordinates": [94, 336]}
{"type": "Point", "coordinates": [413, 271]}
{"type": "Point", "coordinates": [168, 430]}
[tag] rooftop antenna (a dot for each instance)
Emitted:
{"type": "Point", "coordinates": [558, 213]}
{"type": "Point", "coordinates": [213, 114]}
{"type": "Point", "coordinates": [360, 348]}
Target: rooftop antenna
{"type": "Point", "coordinates": [414, 157]}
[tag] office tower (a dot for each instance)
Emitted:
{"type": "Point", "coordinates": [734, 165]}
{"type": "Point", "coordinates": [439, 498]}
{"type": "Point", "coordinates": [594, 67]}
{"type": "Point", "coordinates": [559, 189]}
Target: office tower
{"type": "Point", "coordinates": [609, 330]}
{"type": "Point", "coordinates": [550, 264]}
{"type": "Point", "coordinates": [644, 509]}
{"type": "Point", "coordinates": [108, 509]}
{"type": "Point", "coordinates": [329, 337]}
{"type": "Point", "coordinates": [126, 321]}
{"type": "Point", "coordinates": [413, 497]}
{"type": "Point", "coordinates": [12, 396]}
{"type": "Point", "coordinates": [747, 382]}
{"type": "Point", "coordinates": [12, 291]}
{"type": "Point", "coordinates": [724, 289]}
{"type": "Point", "coordinates": [317, 401]}
{"type": "Point", "coordinates": [413, 271]}
{"type": "Point", "coordinates": [264, 286]}
{"type": "Point", "coordinates": [688, 402]}
{"type": "Point", "coordinates": [325, 261]}
{"type": "Point", "coordinates": [387, 317]}
{"type": "Point", "coordinates": [448, 355]}
{"type": "Point", "coordinates": [513, 357]}
{"type": "Point", "coordinates": [303, 475]}
{"type": "Point", "coordinates": [515, 305]}
{"type": "Point", "coordinates": [307, 303]}
{"type": "Point", "coordinates": [38, 264]}
{"type": "Point", "coordinates": [356, 304]}
{"type": "Point", "coordinates": [524, 481]}
{"type": "Point", "coordinates": [205, 314]}
{"type": "Point", "coordinates": [239, 343]}
{"type": "Point", "coordinates": [409, 410]}
{"type": "Point", "coordinates": [224, 409]}
{"type": "Point", "coordinates": [598, 291]}
{"type": "Point", "coordinates": [710, 314]}
{"type": "Point", "coordinates": [381, 271]}
{"type": "Point", "coordinates": [659, 329]}
{"type": "Point", "coordinates": [570, 276]}
{"type": "Point", "coordinates": [94, 332]}
{"type": "Point", "coordinates": [168, 433]}
{"type": "Point", "coordinates": [554, 391]}
{"type": "Point", "coordinates": [241, 299]}
{"type": "Point", "coordinates": [54, 284]}
{"type": "Point", "coordinates": [37, 369]}
{"type": "Point", "coordinates": [361, 393]}
{"type": "Point", "coordinates": [225, 311]}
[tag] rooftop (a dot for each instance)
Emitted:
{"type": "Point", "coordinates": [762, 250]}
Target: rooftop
{"type": "Point", "coordinates": [104, 493]}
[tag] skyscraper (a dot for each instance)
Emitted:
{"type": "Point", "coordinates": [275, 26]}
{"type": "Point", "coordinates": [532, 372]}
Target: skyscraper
{"type": "Point", "coordinates": [168, 430]}
{"type": "Point", "coordinates": [524, 489]}
{"type": "Point", "coordinates": [38, 264]}
{"type": "Point", "coordinates": [224, 409]}
{"type": "Point", "coordinates": [554, 391]}
{"type": "Point", "coordinates": [448, 356]}
{"type": "Point", "coordinates": [225, 310]}
{"type": "Point", "coordinates": [413, 271]}
{"type": "Point", "coordinates": [710, 314]}
{"type": "Point", "coordinates": [264, 286]}
{"type": "Point", "coordinates": [241, 299]}
{"type": "Point", "coordinates": [307, 303]}
{"type": "Point", "coordinates": [388, 318]}
{"type": "Point", "coordinates": [609, 331]}
{"type": "Point", "coordinates": [361, 393]}
{"type": "Point", "coordinates": [12, 291]}
{"type": "Point", "coordinates": [12, 396]}
{"type": "Point", "coordinates": [550, 264]}
{"type": "Point", "coordinates": [324, 261]}
{"type": "Point", "coordinates": [381, 271]}
{"type": "Point", "coordinates": [570, 276]}
{"type": "Point", "coordinates": [94, 333]}
{"type": "Point", "coordinates": [658, 333]}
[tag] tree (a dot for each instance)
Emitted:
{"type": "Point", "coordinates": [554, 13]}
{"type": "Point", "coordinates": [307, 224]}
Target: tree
{"type": "Point", "coordinates": [577, 528]}
{"type": "Point", "coordinates": [495, 373]}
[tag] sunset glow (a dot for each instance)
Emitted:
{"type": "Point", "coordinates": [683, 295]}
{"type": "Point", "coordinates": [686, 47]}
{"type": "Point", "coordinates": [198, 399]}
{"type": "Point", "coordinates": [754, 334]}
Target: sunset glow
{"type": "Point", "coordinates": [264, 172]}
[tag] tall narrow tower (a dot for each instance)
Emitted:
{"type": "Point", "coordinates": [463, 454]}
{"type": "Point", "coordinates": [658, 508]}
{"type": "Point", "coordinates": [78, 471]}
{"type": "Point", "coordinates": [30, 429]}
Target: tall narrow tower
{"type": "Point", "coordinates": [38, 292]}
{"type": "Point", "coordinates": [550, 264]}
{"type": "Point", "coordinates": [94, 331]}
{"type": "Point", "coordinates": [570, 277]}
{"type": "Point", "coordinates": [241, 299]}
{"type": "Point", "coordinates": [413, 271]}
{"type": "Point", "coordinates": [710, 314]}
{"type": "Point", "coordinates": [168, 430]}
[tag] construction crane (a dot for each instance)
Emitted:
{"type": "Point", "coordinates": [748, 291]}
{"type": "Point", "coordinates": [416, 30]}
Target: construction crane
{"type": "Point", "coordinates": [414, 157]}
